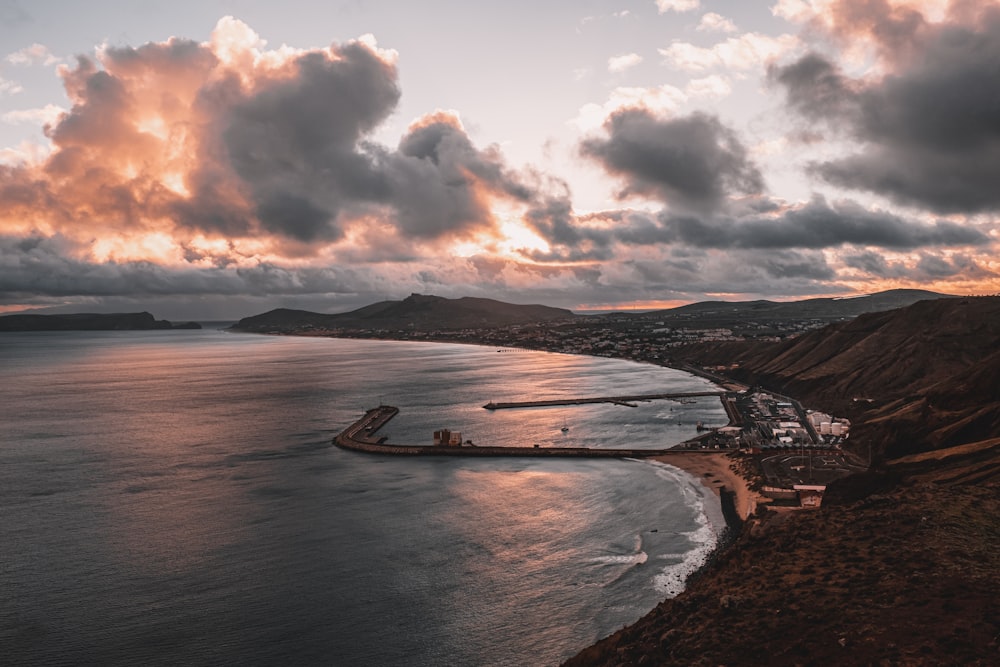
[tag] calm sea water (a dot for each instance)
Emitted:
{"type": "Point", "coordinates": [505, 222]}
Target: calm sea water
{"type": "Point", "coordinates": [173, 498]}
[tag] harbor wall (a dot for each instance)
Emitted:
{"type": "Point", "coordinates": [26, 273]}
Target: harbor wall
{"type": "Point", "coordinates": [361, 436]}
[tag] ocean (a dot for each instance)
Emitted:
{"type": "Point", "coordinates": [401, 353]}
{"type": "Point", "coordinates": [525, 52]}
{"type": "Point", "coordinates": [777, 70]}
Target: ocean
{"type": "Point", "coordinates": [173, 497]}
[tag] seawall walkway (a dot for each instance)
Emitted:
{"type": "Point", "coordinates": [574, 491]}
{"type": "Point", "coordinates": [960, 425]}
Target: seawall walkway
{"type": "Point", "coordinates": [621, 400]}
{"type": "Point", "coordinates": [361, 436]}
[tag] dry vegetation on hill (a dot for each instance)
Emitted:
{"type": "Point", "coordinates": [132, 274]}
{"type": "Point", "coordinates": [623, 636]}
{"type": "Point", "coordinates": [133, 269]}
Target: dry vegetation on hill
{"type": "Point", "coordinates": [907, 577]}
{"type": "Point", "coordinates": [913, 379]}
{"type": "Point", "coordinates": [901, 565]}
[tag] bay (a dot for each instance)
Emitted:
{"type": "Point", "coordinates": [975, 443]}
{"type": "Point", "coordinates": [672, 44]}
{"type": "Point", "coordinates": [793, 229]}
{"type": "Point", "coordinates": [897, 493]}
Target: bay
{"type": "Point", "coordinates": [173, 497]}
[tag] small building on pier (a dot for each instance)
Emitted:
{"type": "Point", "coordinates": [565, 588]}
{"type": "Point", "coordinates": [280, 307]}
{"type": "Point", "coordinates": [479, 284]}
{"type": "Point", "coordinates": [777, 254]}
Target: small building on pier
{"type": "Point", "coordinates": [447, 438]}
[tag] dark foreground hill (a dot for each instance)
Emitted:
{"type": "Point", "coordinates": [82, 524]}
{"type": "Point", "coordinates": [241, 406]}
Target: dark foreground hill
{"type": "Point", "coordinates": [88, 322]}
{"type": "Point", "coordinates": [904, 577]}
{"type": "Point", "coordinates": [416, 312]}
{"type": "Point", "coordinates": [901, 565]}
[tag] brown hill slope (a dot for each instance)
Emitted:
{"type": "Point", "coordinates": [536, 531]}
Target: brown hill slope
{"type": "Point", "coordinates": [913, 379]}
{"type": "Point", "coordinates": [901, 565]}
{"type": "Point", "coordinates": [819, 308]}
{"type": "Point", "coordinates": [907, 577]}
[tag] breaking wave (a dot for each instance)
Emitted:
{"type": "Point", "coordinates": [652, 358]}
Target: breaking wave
{"type": "Point", "coordinates": [670, 582]}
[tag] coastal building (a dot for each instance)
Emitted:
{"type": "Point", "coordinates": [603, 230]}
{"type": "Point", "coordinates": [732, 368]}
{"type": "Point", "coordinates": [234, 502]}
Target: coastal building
{"type": "Point", "coordinates": [810, 495]}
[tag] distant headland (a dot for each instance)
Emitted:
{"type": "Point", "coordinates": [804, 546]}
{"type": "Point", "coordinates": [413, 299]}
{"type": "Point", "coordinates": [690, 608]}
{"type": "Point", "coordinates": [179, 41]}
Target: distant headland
{"type": "Point", "coordinates": [88, 322]}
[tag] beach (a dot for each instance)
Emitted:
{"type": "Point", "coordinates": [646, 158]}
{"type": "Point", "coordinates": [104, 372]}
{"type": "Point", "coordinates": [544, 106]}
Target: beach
{"type": "Point", "coordinates": [714, 471]}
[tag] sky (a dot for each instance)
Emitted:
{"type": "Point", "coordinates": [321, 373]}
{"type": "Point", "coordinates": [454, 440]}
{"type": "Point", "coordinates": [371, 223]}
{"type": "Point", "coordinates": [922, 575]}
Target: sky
{"type": "Point", "coordinates": [216, 159]}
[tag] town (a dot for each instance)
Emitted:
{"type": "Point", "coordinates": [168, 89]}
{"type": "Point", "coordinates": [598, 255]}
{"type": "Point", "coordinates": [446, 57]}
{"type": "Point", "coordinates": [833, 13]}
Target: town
{"type": "Point", "coordinates": [796, 451]}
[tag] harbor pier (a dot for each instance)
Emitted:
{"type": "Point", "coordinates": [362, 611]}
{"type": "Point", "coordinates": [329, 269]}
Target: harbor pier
{"type": "Point", "coordinates": [362, 436]}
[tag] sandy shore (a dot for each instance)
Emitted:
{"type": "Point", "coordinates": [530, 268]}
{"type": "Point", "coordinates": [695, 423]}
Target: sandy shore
{"type": "Point", "coordinates": [714, 472]}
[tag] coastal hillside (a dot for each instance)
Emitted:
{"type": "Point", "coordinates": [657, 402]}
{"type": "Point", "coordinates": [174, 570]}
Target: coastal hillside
{"type": "Point", "coordinates": [416, 312]}
{"type": "Point", "coordinates": [88, 322]}
{"type": "Point", "coordinates": [914, 379]}
{"type": "Point", "coordinates": [901, 564]}
{"type": "Point", "coordinates": [820, 308]}
{"type": "Point", "coordinates": [903, 577]}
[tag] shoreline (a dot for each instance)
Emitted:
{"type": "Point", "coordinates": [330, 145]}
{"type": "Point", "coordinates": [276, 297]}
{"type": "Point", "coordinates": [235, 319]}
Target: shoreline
{"type": "Point", "coordinates": [712, 469]}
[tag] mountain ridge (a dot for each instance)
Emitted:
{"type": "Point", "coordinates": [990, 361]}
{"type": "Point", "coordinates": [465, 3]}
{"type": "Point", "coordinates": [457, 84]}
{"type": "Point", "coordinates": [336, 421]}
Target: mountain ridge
{"type": "Point", "coordinates": [847, 306]}
{"type": "Point", "coordinates": [426, 312]}
{"type": "Point", "coordinates": [417, 311]}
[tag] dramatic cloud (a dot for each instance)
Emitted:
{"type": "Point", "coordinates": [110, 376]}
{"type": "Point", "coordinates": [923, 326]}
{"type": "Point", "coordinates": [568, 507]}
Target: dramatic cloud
{"type": "Point", "coordinates": [296, 142]}
{"type": "Point", "coordinates": [693, 162]}
{"type": "Point", "coordinates": [223, 167]}
{"type": "Point", "coordinates": [440, 183]}
{"type": "Point", "coordinates": [819, 225]}
{"type": "Point", "coordinates": [226, 138]}
{"type": "Point", "coordinates": [929, 127]}
{"type": "Point", "coordinates": [816, 225]}
{"type": "Point", "coordinates": [926, 267]}
{"type": "Point", "coordinates": [229, 173]}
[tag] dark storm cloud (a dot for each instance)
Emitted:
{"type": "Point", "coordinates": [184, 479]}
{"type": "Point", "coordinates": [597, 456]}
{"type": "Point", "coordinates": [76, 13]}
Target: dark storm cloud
{"type": "Point", "coordinates": [440, 183]}
{"type": "Point", "coordinates": [693, 162]}
{"type": "Point", "coordinates": [296, 142]}
{"type": "Point", "coordinates": [930, 128]}
{"type": "Point", "coordinates": [301, 146]}
{"type": "Point", "coordinates": [894, 28]}
{"type": "Point", "coordinates": [554, 220]}
{"type": "Point", "coordinates": [821, 225]}
{"type": "Point", "coordinates": [736, 271]}
{"type": "Point", "coordinates": [935, 267]}
{"type": "Point", "coordinates": [929, 266]}
{"type": "Point", "coordinates": [875, 264]}
{"type": "Point", "coordinates": [815, 225]}
{"type": "Point", "coordinates": [792, 264]}
{"type": "Point", "coordinates": [816, 88]}
{"type": "Point", "coordinates": [35, 265]}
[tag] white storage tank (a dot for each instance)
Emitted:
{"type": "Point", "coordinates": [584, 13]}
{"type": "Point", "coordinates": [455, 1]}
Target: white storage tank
{"type": "Point", "coordinates": [824, 428]}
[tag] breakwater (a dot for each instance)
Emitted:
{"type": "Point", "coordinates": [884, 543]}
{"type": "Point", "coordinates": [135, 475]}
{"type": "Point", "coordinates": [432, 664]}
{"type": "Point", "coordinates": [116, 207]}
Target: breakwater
{"type": "Point", "coordinates": [362, 436]}
{"type": "Point", "coordinates": [620, 400]}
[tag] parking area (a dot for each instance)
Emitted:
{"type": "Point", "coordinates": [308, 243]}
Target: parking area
{"type": "Point", "coordinates": [805, 467]}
